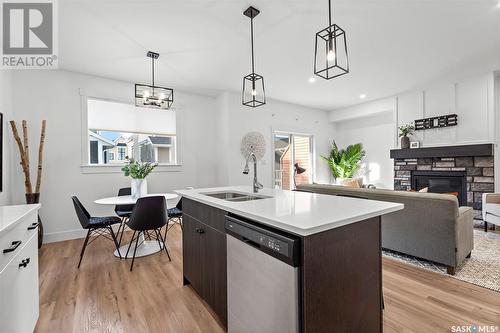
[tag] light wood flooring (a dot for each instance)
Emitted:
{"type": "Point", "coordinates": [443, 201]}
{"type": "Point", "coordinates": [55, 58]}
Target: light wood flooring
{"type": "Point", "coordinates": [103, 296]}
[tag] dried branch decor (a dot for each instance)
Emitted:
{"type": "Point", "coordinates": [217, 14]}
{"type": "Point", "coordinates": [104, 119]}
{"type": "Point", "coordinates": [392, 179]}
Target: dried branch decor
{"type": "Point", "coordinates": [24, 152]}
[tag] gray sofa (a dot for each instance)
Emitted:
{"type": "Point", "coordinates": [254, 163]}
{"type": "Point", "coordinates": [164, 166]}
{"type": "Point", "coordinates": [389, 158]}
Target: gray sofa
{"type": "Point", "coordinates": [431, 226]}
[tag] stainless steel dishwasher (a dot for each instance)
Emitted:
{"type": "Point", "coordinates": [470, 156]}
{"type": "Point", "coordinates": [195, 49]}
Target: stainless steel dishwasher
{"type": "Point", "coordinates": [262, 279]}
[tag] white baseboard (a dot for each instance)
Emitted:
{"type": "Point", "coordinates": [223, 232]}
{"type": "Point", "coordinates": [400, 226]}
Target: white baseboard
{"type": "Point", "coordinates": [64, 235]}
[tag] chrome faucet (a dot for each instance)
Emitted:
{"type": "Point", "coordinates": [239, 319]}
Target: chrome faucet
{"type": "Point", "coordinates": [256, 185]}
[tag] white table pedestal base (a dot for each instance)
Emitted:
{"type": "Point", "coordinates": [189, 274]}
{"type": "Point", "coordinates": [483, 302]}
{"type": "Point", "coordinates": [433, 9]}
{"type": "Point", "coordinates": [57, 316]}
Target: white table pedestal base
{"type": "Point", "coordinates": [145, 248]}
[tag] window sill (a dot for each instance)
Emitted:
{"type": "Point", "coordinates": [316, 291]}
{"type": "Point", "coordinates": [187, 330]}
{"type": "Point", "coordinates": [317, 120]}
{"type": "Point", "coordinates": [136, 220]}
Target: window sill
{"type": "Point", "coordinates": [99, 169]}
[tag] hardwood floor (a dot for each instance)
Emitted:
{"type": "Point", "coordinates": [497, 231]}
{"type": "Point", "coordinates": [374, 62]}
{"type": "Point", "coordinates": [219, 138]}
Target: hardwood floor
{"type": "Point", "coordinates": [103, 296]}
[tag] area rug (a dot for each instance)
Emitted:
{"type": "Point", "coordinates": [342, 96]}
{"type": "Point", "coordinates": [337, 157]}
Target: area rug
{"type": "Point", "coordinates": [481, 269]}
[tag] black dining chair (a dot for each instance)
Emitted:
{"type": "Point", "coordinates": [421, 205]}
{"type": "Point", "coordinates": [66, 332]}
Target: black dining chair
{"type": "Point", "coordinates": [174, 216]}
{"type": "Point", "coordinates": [100, 226]}
{"type": "Point", "coordinates": [149, 214]}
{"type": "Point", "coordinates": [123, 211]}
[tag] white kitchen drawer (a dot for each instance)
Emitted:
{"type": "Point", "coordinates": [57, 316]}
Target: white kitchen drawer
{"type": "Point", "coordinates": [19, 232]}
{"type": "Point", "coordinates": [19, 290]}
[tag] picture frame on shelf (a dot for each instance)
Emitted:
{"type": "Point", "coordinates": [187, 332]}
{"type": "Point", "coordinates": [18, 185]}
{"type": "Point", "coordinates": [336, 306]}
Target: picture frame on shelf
{"type": "Point", "coordinates": [414, 144]}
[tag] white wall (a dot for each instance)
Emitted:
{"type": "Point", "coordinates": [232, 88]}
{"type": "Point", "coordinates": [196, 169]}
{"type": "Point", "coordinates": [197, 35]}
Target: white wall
{"type": "Point", "coordinates": [236, 120]}
{"type": "Point", "coordinates": [376, 133]}
{"type": "Point", "coordinates": [472, 99]}
{"type": "Point", "coordinates": [55, 96]}
{"type": "Point", "coordinates": [8, 142]}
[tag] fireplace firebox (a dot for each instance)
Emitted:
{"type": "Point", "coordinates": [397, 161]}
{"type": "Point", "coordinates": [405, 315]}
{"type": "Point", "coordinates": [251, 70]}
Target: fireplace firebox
{"type": "Point", "coordinates": [451, 182]}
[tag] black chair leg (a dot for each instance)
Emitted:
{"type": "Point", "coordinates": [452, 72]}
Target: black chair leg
{"type": "Point", "coordinates": [123, 225]}
{"type": "Point", "coordinates": [130, 244]}
{"type": "Point", "coordinates": [165, 246]}
{"type": "Point", "coordinates": [83, 247]}
{"type": "Point", "coordinates": [118, 232]}
{"type": "Point", "coordinates": [485, 226]}
{"type": "Point", "coordinates": [135, 249]}
{"type": "Point", "coordinates": [115, 240]}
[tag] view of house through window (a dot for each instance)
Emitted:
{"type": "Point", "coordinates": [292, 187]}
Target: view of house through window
{"type": "Point", "coordinates": [117, 131]}
{"type": "Point", "coordinates": [109, 147]}
{"type": "Point", "coordinates": [293, 164]}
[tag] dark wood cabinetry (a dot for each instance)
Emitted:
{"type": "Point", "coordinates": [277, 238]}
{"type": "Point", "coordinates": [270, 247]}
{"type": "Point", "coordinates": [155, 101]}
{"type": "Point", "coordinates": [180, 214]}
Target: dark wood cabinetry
{"type": "Point", "coordinates": [191, 252]}
{"type": "Point", "coordinates": [340, 271]}
{"type": "Point", "coordinates": [204, 254]}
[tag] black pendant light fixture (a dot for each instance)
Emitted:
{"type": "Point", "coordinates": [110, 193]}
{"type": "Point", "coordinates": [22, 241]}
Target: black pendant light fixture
{"type": "Point", "coordinates": [330, 52]}
{"type": "Point", "coordinates": [254, 94]}
{"type": "Point", "coordinates": [152, 96]}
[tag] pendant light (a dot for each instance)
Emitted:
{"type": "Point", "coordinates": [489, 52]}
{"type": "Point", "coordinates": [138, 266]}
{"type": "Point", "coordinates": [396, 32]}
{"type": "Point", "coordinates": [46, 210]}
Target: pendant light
{"type": "Point", "coordinates": [152, 96]}
{"type": "Point", "coordinates": [330, 52]}
{"type": "Point", "coordinates": [253, 94]}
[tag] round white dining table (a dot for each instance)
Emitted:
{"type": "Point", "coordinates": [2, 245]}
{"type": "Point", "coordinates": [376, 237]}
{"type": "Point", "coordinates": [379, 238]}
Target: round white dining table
{"type": "Point", "coordinates": [145, 247]}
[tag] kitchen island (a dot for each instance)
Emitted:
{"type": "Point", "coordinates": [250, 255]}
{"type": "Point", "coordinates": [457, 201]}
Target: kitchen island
{"type": "Point", "coordinates": [285, 261]}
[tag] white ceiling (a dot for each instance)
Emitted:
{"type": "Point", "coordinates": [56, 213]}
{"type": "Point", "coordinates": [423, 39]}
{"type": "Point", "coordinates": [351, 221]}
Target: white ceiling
{"type": "Point", "coordinates": [394, 45]}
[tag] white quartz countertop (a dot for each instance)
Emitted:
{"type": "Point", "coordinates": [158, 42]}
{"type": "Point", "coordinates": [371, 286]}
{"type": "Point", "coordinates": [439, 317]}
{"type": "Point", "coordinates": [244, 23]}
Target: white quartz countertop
{"type": "Point", "coordinates": [9, 215]}
{"type": "Point", "coordinates": [301, 213]}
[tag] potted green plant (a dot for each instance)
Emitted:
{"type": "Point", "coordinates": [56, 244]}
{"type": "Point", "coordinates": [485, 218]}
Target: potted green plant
{"type": "Point", "coordinates": [344, 163]}
{"type": "Point", "coordinates": [404, 131]}
{"type": "Point", "coordinates": [138, 171]}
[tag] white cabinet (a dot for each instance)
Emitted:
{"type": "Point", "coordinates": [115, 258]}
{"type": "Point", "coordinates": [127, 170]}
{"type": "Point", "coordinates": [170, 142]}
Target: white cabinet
{"type": "Point", "coordinates": [19, 306]}
{"type": "Point", "coordinates": [19, 290]}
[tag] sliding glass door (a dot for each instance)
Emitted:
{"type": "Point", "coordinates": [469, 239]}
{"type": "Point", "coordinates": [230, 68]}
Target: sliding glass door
{"type": "Point", "coordinates": [293, 160]}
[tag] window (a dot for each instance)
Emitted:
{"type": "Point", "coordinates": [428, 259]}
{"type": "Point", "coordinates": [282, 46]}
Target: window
{"type": "Point", "coordinates": [293, 160]}
{"type": "Point", "coordinates": [117, 131]}
{"type": "Point", "coordinates": [122, 153]}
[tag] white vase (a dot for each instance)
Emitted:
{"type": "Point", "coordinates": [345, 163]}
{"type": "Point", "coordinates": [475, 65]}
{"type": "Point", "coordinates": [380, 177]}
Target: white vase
{"type": "Point", "coordinates": [139, 188]}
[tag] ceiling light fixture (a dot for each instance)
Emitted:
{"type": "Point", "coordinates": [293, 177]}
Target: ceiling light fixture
{"type": "Point", "coordinates": [362, 96]}
{"type": "Point", "coordinates": [330, 50]}
{"type": "Point", "coordinates": [312, 79]}
{"type": "Point", "coordinates": [253, 94]}
{"type": "Point", "coordinates": [152, 96]}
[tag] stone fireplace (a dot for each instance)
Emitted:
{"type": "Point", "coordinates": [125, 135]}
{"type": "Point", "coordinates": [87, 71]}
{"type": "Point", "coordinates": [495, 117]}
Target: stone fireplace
{"type": "Point", "coordinates": [465, 171]}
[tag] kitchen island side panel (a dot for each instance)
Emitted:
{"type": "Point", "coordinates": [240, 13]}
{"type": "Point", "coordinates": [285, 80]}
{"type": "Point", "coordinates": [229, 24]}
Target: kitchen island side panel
{"type": "Point", "coordinates": [342, 279]}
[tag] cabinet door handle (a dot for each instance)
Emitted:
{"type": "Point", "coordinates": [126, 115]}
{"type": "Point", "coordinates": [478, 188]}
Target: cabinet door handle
{"type": "Point", "coordinates": [24, 262]}
{"type": "Point", "coordinates": [14, 246]}
{"type": "Point", "coordinates": [33, 226]}
{"type": "Point", "coordinates": [199, 230]}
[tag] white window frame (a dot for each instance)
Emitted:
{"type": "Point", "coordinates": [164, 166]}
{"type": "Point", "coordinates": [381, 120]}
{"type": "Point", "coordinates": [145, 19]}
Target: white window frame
{"type": "Point", "coordinates": [312, 149]}
{"type": "Point", "coordinates": [111, 156]}
{"type": "Point", "coordinates": [88, 168]}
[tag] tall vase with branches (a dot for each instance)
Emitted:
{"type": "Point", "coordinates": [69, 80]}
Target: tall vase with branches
{"type": "Point", "coordinates": [32, 197]}
{"type": "Point", "coordinates": [345, 163]}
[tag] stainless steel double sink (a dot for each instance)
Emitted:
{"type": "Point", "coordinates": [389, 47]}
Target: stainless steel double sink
{"type": "Point", "coordinates": [235, 196]}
